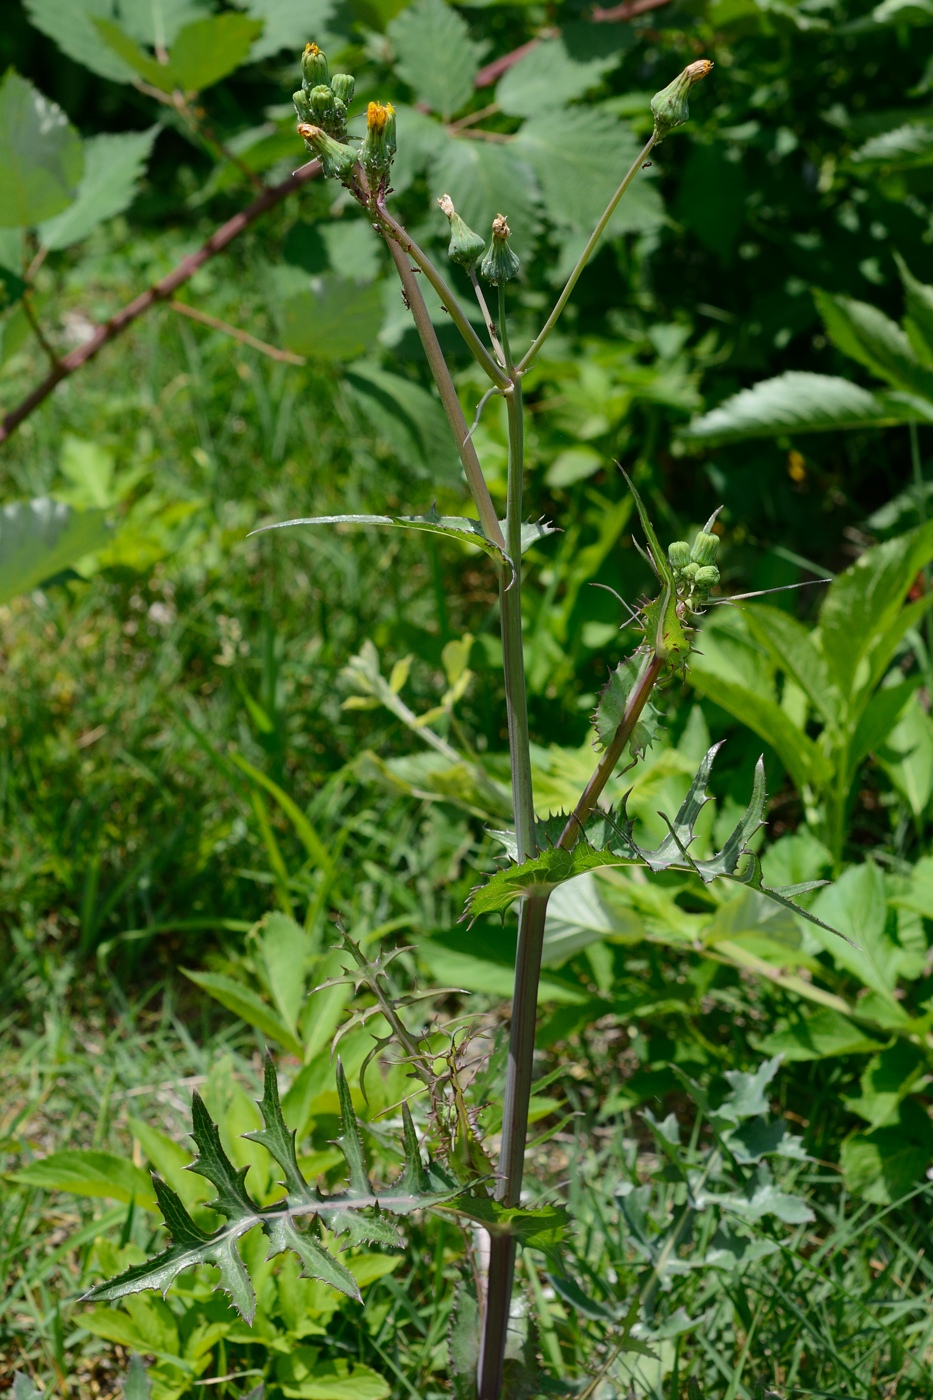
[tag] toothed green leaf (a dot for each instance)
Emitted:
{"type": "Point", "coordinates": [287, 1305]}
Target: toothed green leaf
{"type": "Point", "coordinates": [610, 711]}
{"type": "Point", "coordinates": [283, 1234]}
{"type": "Point", "coordinates": [534, 1227]}
{"type": "Point", "coordinates": [609, 841]}
{"type": "Point", "coordinates": [276, 1137]}
{"type": "Point", "coordinates": [232, 1200]}
{"type": "Point", "coordinates": [413, 1178]}
{"type": "Point", "coordinates": [350, 1141]}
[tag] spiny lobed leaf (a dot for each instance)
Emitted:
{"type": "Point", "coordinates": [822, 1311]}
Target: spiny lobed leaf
{"type": "Point", "coordinates": [609, 841]}
{"type": "Point", "coordinates": [610, 711]}
{"type": "Point", "coordinates": [357, 1212]}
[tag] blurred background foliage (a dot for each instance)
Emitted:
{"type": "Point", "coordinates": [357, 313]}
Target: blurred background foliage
{"type": "Point", "coordinates": [176, 754]}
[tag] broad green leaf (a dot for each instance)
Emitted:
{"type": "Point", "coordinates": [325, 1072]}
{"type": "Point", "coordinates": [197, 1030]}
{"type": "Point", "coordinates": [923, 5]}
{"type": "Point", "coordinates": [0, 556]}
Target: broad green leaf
{"type": "Point", "coordinates": [886, 1081]}
{"type": "Point", "coordinates": [580, 157]}
{"type": "Point", "coordinates": [533, 1227]}
{"type": "Point", "coordinates": [90, 1174]}
{"type": "Point", "coordinates": [325, 318]}
{"type": "Point", "coordinates": [23, 1388]}
{"type": "Point", "coordinates": [919, 322]}
{"type": "Point", "coordinates": [908, 145]}
{"type": "Point", "coordinates": [796, 750]}
{"type": "Point", "coordinates": [794, 650]}
{"type": "Point", "coordinates": [71, 26]}
{"type": "Point", "coordinates": [136, 1385]}
{"type": "Point", "coordinates": [864, 602]}
{"type": "Point", "coordinates": [210, 49]}
{"type": "Point", "coordinates": [824, 1034]}
{"type": "Point", "coordinates": [879, 717]}
{"type": "Point", "coordinates": [870, 338]}
{"type": "Point", "coordinates": [856, 904]}
{"type": "Point", "coordinates": [113, 168]}
{"type": "Point", "coordinates": [283, 947]}
{"type": "Point", "coordinates": [485, 178]}
{"type": "Point", "coordinates": [129, 52]}
{"type": "Point", "coordinates": [907, 757]}
{"type": "Point", "coordinates": [800, 402]}
{"type": "Point", "coordinates": [249, 1006]}
{"type": "Point", "coordinates": [41, 157]}
{"type": "Point", "coordinates": [421, 138]}
{"type": "Point", "coordinates": [41, 538]}
{"type": "Point", "coordinates": [156, 22]}
{"type": "Point", "coordinates": [435, 56]}
{"type": "Point", "coordinates": [302, 1375]}
{"type": "Point", "coordinates": [548, 77]}
{"type": "Point", "coordinates": [759, 1199]}
{"type": "Point", "coordinates": [289, 24]}
{"type": "Point", "coordinates": [408, 417]}
{"type": "Point", "coordinates": [884, 1165]}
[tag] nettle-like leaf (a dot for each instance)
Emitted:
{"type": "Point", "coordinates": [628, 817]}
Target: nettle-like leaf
{"type": "Point", "coordinates": [358, 1212]}
{"type": "Point", "coordinates": [458, 526]}
{"type": "Point", "coordinates": [609, 841]}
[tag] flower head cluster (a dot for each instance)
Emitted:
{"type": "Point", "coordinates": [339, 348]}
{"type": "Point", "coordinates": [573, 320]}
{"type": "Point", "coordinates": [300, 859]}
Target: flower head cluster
{"type": "Point", "coordinates": [693, 566]}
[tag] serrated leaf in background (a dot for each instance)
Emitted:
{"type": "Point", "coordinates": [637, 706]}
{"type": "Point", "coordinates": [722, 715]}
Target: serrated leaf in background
{"type": "Point", "coordinates": [435, 55]}
{"type": "Point", "coordinates": [70, 23]}
{"type": "Point", "coordinates": [206, 51]}
{"type": "Point", "coordinates": [41, 156]}
{"type": "Point", "coordinates": [324, 317]}
{"type": "Point", "coordinates": [872, 339]}
{"type": "Point", "coordinates": [409, 418]}
{"type": "Point", "coordinates": [289, 24]}
{"type": "Point", "coordinates": [113, 168]}
{"type": "Point", "coordinates": [801, 402]}
{"type": "Point", "coordinates": [38, 539]}
{"type": "Point", "coordinates": [548, 77]}
{"type": "Point", "coordinates": [580, 157]}
{"type": "Point", "coordinates": [485, 179]}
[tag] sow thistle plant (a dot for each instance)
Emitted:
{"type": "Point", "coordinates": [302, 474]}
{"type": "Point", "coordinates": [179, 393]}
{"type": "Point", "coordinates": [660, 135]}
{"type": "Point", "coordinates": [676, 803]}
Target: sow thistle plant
{"type": "Point", "coordinates": [539, 855]}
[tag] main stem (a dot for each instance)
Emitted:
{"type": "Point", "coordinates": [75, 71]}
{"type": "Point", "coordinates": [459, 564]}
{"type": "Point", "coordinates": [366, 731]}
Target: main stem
{"type": "Point", "coordinates": [531, 926]}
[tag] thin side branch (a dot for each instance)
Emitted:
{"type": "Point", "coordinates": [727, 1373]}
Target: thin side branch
{"type": "Point", "coordinates": [161, 291]}
{"type": "Point", "coordinates": [288, 357]}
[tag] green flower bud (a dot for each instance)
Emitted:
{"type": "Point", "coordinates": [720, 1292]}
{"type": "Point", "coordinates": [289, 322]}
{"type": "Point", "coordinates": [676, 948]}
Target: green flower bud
{"type": "Point", "coordinates": [690, 571]}
{"type": "Point", "coordinates": [323, 109]}
{"type": "Point", "coordinates": [669, 107]}
{"type": "Point", "coordinates": [706, 578]}
{"type": "Point", "coordinates": [465, 247]}
{"type": "Point", "coordinates": [705, 548]}
{"type": "Point", "coordinates": [302, 105]}
{"type": "Point", "coordinates": [343, 87]}
{"type": "Point", "coordinates": [313, 66]}
{"type": "Point", "coordinates": [337, 160]}
{"type": "Point", "coordinates": [678, 554]}
{"type": "Point", "coordinates": [500, 264]}
{"type": "Point", "coordinates": [378, 146]}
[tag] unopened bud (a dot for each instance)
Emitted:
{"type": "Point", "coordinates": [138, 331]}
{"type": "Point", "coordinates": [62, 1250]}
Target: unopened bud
{"type": "Point", "coordinates": [343, 86]}
{"type": "Point", "coordinates": [465, 247]}
{"type": "Point", "coordinates": [323, 110]}
{"type": "Point", "coordinates": [302, 105]}
{"type": "Point", "coordinates": [337, 160]}
{"type": "Point", "coordinates": [669, 107]}
{"type": "Point", "coordinates": [500, 264]}
{"type": "Point", "coordinates": [690, 571]}
{"type": "Point", "coordinates": [678, 554]}
{"type": "Point", "coordinates": [705, 548]}
{"type": "Point", "coordinates": [313, 66]}
{"type": "Point", "coordinates": [706, 578]}
{"type": "Point", "coordinates": [379, 142]}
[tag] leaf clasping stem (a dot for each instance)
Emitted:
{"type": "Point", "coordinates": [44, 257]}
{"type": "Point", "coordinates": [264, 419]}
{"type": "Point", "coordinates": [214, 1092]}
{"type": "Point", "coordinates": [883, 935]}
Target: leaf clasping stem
{"type": "Point", "coordinates": [585, 256]}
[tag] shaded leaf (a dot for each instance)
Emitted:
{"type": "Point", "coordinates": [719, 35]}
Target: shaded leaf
{"type": "Point", "coordinates": [288, 24]}
{"type": "Point", "coordinates": [486, 178]}
{"type": "Point", "coordinates": [435, 55]}
{"type": "Point", "coordinates": [41, 157]}
{"type": "Point", "coordinates": [872, 339]}
{"type": "Point", "coordinates": [41, 538]}
{"type": "Point", "coordinates": [548, 77]}
{"type": "Point", "coordinates": [800, 402]}
{"type": "Point", "coordinates": [113, 168]}
{"type": "Point", "coordinates": [89, 1173]}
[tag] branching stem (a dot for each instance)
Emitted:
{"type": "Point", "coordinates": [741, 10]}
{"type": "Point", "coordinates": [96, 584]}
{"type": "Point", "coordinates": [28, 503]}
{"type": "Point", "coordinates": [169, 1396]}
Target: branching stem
{"type": "Point", "coordinates": [585, 256]}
